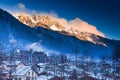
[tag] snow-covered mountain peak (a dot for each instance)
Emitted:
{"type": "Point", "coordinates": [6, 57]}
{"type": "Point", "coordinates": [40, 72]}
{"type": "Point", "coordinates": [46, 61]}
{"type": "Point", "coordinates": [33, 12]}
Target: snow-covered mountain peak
{"type": "Point", "coordinates": [52, 24]}
{"type": "Point", "coordinates": [38, 20]}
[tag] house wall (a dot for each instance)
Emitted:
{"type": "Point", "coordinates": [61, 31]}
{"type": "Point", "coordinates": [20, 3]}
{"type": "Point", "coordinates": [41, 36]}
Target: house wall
{"type": "Point", "coordinates": [19, 78]}
{"type": "Point", "coordinates": [31, 74]}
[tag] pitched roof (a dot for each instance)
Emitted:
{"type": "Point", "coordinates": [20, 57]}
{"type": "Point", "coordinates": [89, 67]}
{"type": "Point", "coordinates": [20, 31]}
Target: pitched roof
{"type": "Point", "coordinates": [21, 71]}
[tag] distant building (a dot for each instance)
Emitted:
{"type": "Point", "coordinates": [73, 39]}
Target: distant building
{"type": "Point", "coordinates": [31, 57]}
{"type": "Point", "coordinates": [39, 57]}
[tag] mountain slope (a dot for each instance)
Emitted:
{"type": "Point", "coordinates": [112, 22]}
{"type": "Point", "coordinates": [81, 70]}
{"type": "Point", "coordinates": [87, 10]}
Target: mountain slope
{"type": "Point", "coordinates": [14, 33]}
{"type": "Point", "coordinates": [54, 24]}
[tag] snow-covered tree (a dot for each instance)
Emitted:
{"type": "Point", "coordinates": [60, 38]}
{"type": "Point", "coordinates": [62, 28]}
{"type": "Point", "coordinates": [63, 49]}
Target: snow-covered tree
{"type": "Point", "coordinates": [74, 75]}
{"type": "Point", "coordinates": [116, 55]}
{"type": "Point", "coordinates": [116, 58]}
{"type": "Point", "coordinates": [76, 51]}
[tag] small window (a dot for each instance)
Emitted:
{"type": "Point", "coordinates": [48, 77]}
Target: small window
{"type": "Point", "coordinates": [29, 73]}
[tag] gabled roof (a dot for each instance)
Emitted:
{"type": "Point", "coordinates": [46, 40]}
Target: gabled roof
{"type": "Point", "coordinates": [21, 71]}
{"type": "Point", "coordinates": [42, 64]}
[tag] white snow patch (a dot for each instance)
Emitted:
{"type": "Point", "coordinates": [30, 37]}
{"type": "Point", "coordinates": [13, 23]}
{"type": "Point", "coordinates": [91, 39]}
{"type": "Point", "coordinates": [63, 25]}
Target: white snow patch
{"type": "Point", "coordinates": [53, 27]}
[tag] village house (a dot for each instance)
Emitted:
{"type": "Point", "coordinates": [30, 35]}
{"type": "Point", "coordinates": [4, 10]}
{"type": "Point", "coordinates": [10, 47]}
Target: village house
{"type": "Point", "coordinates": [9, 66]}
{"type": "Point", "coordinates": [24, 73]}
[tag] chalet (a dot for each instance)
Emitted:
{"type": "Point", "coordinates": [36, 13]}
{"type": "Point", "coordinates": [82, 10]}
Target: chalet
{"type": "Point", "coordinates": [8, 67]}
{"type": "Point", "coordinates": [24, 73]}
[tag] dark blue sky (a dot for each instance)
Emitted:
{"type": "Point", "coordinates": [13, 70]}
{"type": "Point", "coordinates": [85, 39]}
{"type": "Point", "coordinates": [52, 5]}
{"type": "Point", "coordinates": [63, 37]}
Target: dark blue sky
{"type": "Point", "coordinates": [104, 14]}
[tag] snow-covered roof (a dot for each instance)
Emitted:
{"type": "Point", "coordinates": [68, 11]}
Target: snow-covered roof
{"type": "Point", "coordinates": [21, 71]}
{"type": "Point", "coordinates": [5, 71]}
{"type": "Point", "coordinates": [11, 62]}
{"type": "Point", "coordinates": [43, 77]}
{"type": "Point", "coordinates": [42, 64]}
